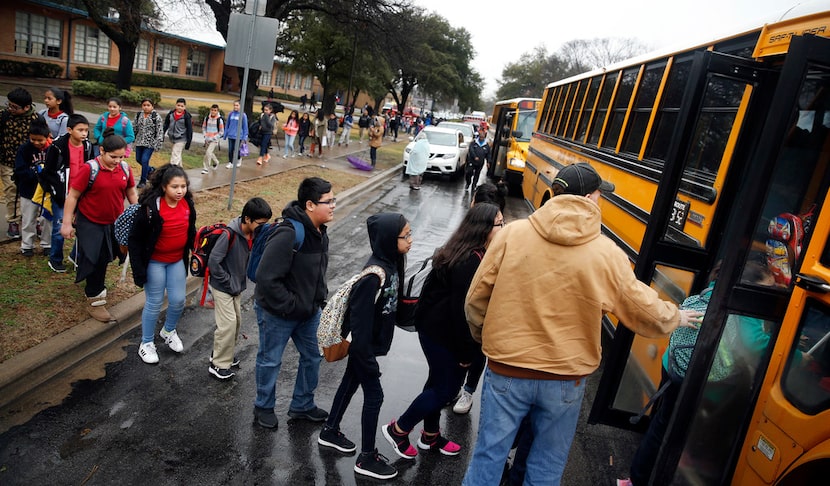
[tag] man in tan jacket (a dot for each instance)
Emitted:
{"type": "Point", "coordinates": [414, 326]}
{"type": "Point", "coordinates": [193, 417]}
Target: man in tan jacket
{"type": "Point", "coordinates": [542, 333]}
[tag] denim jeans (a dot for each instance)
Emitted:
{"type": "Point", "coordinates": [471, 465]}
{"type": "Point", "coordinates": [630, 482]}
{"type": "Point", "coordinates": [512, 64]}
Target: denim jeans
{"type": "Point", "coordinates": [444, 379]}
{"type": "Point", "coordinates": [263, 144]}
{"type": "Point", "coordinates": [356, 376]}
{"type": "Point", "coordinates": [553, 407]}
{"type": "Point", "coordinates": [289, 144]}
{"type": "Point", "coordinates": [161, 276]}
{"type": "Point", "coordinates": [302, 143]}
{"type": "Point", "coordinates": [274, 333]}
{"type": "Point", "coordinates": [142, 156]}
{"type": "Point", "coordinates": [56, 255]}
{"type": "Point", "coordinates": [232, 146]}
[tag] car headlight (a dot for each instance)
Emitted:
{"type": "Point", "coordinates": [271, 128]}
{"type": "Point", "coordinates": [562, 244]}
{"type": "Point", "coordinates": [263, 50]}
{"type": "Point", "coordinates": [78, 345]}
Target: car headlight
{"type": "Point", "coordinates": [517, 163]}
{"type": "Point", "coordinates": [448, 156]}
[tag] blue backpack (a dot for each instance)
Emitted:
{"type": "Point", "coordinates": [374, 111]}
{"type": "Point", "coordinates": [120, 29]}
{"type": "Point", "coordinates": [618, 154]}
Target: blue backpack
{"type": "Point", "coordinates": [263, 233]}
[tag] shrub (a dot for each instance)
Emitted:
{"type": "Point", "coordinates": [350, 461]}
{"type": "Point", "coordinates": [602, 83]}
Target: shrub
{"type": "Point", "coordinates": [30, 69]}
{"type": "Point", "coordinates": [144, 79]}
{"type": "Point", "coordinates": [93, 89]}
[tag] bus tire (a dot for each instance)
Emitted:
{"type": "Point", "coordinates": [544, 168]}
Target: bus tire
{"type": "Point", "coordinates": [814, 472]}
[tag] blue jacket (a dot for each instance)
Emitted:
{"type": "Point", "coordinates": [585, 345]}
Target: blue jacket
{"type": "Point", "coordinates": [232, 123]}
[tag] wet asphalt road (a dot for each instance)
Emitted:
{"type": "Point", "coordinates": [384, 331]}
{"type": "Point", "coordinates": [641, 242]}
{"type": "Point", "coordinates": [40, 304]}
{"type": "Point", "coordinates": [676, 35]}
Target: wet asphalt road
{"type": "Point", "coordinates": [174, 424]}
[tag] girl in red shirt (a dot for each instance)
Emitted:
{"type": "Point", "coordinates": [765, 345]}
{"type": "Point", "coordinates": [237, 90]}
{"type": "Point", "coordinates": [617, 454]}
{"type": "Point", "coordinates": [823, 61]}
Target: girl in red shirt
{"type": "Point", "coordinates": [99, 198]}
{"type": "Point", "coordinates": [162, 234]}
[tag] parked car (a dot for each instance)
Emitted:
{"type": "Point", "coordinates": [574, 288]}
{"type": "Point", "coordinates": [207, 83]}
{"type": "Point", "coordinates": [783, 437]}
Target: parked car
{"type": "Point", "coordinates": [447, 150]}
{"type": "Point", "coordinates": [468, 129]}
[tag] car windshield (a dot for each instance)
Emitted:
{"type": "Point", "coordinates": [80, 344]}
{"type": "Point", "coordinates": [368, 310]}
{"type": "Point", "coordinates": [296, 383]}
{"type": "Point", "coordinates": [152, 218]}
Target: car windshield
{"type": "Point", "coordinates": [441, 138]}
{"type": "Point", "coordinates": [465, 128]}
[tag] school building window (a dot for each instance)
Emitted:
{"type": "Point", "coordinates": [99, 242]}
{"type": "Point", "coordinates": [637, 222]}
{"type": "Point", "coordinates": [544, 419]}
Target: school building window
{"type": "Point", "coordinates": [36, 35]}
{"type": "Point", "coordinates": [142, 54]}
{"type": "Point", "coordinates": [280, 78]}
{"type": "Point", "coordinates": [91, 45]}
{"type": "Point", "coordinates": [298, 81]}
{"type": "Point", "coordinates": [308, 81]}
{"type": "Point", "coordinates": [265, 78]}
{"type": "Point", "coordinates": [196, 61]}
{"type": "Point", "coordinates": [167, 58]}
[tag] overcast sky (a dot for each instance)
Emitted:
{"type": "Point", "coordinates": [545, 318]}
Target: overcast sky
{"type": "Point", "coordinates": [503, 30]}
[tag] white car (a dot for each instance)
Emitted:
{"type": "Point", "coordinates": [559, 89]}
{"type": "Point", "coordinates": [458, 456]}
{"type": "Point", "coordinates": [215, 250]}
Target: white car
{"type": "Point", "coordinates": [468, 129]}
{"type": "Point", "coordinates": [447, 150]}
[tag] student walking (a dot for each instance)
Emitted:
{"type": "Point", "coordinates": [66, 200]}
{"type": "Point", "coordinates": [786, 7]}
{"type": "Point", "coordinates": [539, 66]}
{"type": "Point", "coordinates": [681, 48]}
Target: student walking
{"type": "Point", "coordinates": [375, 139]}
{"type": "Point", "coordinates": [290, 128]}
{"type": "Point", "coordinates": [149, 137]}
{"type": "Point", "coordinates": [290, 291]}
{"type": "Point", "coordinates": [372, 325]}
{"type": "Point", "coordinates": [58, 108]}
{"type": "Point", "coordinates": [63, 159]}
{"type": "Point", "coordinates": [30, 159]}
{"type": "Point", "coordinates": [98, 205]}
{"type": "Point", "coordinates": [163, 232]}
{"type": "Point", "coordinates": [331, 130]}
{"type": "Point", "coordinates": [304, 131]}
{"type": "Point", "coordinates": [348, 122]}
{"type": "Point", "coordinates": [228, 264]}
{"type": "Point", "coordinates": [267, 122]}
{"type": "Point", "coordinates": [236, 121]}
{"type": "Point", "coordinates": [213, 128]}
{"type": "Point", "coordinates": [178, 125]}
{"type": "Point", "coordinates": [443, 332]}
{"type": "Point", "coordinates": [318, 132]}
{"type": "Point", "coordinates": [15, 121]}
{"type": "Point", "coordinates": [117, 120]}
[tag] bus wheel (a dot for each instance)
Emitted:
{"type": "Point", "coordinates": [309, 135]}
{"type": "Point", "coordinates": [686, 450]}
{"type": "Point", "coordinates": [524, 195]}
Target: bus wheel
{"type": "Point", "coordinates": [814, 472]}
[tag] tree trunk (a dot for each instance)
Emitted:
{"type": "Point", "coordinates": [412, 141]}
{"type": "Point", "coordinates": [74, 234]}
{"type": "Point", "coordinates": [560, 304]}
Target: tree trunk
{"type": "Point", "coordinates": [253, 80]}
{"type": "Point", "coordinates": [124, 78]}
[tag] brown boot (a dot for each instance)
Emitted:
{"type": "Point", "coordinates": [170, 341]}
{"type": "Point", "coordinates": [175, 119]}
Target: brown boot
{"type": "Point", "coordinates": [97, 309]}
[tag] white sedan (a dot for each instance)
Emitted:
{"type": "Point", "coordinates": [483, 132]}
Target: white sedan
{"type": "Point", "coordinates": [468, 129]}
{"type": "Point", "coordinates": [447, 150]}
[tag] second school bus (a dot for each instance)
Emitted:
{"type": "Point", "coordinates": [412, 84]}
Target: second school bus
{"type": "Point", "coordinates": [720, 154]}
{"type": "Point", "coordinates": [512, 124]}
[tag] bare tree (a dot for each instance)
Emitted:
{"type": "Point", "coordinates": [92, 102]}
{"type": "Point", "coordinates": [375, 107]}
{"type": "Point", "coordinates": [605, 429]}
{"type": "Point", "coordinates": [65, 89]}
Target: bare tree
{"type": "Point", "coordinates": [587, 54]}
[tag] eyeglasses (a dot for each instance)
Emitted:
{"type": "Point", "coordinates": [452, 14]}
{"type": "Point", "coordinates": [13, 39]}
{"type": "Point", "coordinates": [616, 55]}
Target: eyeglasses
{"type": "Point", "coordinates": [330, 202]}
{"type": "Point", "coordinates": [407, 237]}
{"type": "Point", "coordinates": [499, 223]}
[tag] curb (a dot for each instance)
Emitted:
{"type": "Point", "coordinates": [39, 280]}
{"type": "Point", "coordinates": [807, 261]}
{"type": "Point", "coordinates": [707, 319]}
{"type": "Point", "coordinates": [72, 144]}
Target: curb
{"type": "Point", "coordinates": [32, 368]}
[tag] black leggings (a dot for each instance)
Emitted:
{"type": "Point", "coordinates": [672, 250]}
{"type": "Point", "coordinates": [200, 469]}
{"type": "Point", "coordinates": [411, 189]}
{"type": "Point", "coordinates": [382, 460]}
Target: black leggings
{"type": "Point", "coordinates": [355, 376]}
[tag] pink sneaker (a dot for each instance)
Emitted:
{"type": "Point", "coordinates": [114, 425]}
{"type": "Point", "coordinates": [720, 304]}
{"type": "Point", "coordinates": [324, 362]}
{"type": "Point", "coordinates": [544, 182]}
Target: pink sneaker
{"type": "Point", "coordinates": [438, 442]}
{"type": "Point", "coordinates": [400, 443]}
{"type": "Point", "coordinates": [624, 482]}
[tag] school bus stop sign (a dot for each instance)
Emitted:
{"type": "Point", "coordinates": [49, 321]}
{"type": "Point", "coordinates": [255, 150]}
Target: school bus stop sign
{"type": "Point", "coordinates": [254, 36]}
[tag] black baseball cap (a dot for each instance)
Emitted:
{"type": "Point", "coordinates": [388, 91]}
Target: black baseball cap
{"type": "Point", "coordinates": [581, 179]}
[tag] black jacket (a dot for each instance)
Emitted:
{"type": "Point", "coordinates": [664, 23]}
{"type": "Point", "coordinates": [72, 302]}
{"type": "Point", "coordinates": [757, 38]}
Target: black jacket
{"type": "Point", "coordinates": [289, 284]}
{"type": "Point", "coordinates": [440, 312]}
{"type": "Point", "coordinates": [53, 177]}
{"type": "Point", "coordinates": [169, 121]}
{"type": "Point", "coordinates": [371, 323]}
{"type": "Point", "coordinates": [146, 231]}
{"type": "Point", "coordinates": [480, 151]}
{"type": "Point", "coordinates": [26, 170]}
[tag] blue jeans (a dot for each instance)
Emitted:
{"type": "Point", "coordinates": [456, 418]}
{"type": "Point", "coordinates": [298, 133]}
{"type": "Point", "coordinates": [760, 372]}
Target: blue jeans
{"type": "Point", "coordinates": [553, 407]}
{"type": "Point", "coordinates": [161, 276]}
{"type": "Point", "coordinates": [142, 156]}
{"type": "Point", "coordinates": [56, 255]}
{"type": "Point", "coordinates": [263, 145]}
{"type": "Point", "coordinates": [289, 144]}
{"type": "Point", "coordinates": [274, 333]}
{"type": "Point", "coordinates": [302, 143]}
{"type": "Point", "coordinates": [444, 379]}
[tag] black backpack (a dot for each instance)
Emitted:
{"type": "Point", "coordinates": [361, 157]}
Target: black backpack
{"type": "Point", "coordinates": [363, 122]}
{"type": "Point", "coordinates": [255, 133]}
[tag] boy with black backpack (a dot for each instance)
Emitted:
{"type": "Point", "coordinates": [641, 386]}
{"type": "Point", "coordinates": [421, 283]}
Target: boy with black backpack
{"type": "Point", "coordinates": [226, 264]}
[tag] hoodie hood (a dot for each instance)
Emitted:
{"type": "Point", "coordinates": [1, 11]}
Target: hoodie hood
{"type": "Point", "coordinates": [296, 212]}
{"type": "Point", "coordinates": [568, 220]}
{"type": "Point", "coordinates": [384, 229]}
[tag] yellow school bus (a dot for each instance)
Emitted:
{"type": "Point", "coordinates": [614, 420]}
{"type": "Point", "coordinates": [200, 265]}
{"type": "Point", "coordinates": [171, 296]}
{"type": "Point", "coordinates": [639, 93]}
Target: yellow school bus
{"type": "Point", "coordinates": [720, 154]}
{"type": "Point", "coordinates": [512, 125]}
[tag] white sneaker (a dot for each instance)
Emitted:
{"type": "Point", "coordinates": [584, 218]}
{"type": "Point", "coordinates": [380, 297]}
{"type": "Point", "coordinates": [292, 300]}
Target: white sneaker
{"type": "Point", "coordinates": [172, 339]}
{"type": "Point", "coordinates": [204, 171]}
{"type": "Point", "coordinates": [239, 164]}
{"type": "Point", "coordinates": [148, 353]}
{"type": "Point", "coordinates": [229, 166]}
{"type": "Point", "coordinates": [464, 404]}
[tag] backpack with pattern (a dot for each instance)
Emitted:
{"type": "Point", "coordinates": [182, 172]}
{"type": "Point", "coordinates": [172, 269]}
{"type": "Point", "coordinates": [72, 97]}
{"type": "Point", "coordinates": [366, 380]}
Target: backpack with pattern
{"type": "Point", "coordinates": [333, 345]}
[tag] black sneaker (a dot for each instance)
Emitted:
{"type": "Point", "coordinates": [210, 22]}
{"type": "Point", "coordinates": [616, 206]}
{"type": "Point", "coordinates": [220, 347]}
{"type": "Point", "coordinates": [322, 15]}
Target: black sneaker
{"type": "Point", "coordinates": [28, 252]}
{"type": "Point", "coordinates": [221, 373]}
{"type": "Point", "coordinates": [374, 465]}
{"type": "Point", "coordinates": [46, 251]}
{"type": "Point", "coordinates": [57, 267]}
{"type": "Point", "coordinates": [331, 437]}
{"type": "Point", "coordinates": [265, 418]}
{"type": "Point", "coordinates": [316, 414]}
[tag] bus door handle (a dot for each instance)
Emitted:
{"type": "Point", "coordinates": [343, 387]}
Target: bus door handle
{"type": "Point", "coordinates": [812, 283]}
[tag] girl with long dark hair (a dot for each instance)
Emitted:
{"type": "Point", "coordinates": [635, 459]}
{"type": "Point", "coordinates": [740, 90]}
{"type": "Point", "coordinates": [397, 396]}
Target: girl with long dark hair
{"type": "Point", "coordinates": [98, 192]}
{"type": "Point", "coordinates": [442, 330]}
{"type": "Point", "coordinates": [163, 232]}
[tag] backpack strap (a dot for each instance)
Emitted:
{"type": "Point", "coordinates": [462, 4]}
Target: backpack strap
{"type": "Point", "coordinates": [299, 233]}
{"type": "Point", "coordinates": [94, 167]}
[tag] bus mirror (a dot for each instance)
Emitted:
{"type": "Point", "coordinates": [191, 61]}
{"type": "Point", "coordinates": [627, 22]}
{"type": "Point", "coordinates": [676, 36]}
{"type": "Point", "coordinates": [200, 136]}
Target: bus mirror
{"type": "Point", "coordinates": [517, 134]}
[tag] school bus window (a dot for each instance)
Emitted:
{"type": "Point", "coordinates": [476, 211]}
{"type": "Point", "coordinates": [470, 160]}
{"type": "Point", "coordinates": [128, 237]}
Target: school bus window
{"type": "Point", "coordinates": [549, 95]}
{"type": "Point", "coordinates": [577, 105]}
{"type": "Point", "coordinates": [553, 107]}
{"type": "Point", "coordinates": [566, 112]}
{"type": "Point", "coordinates": [806, 382]}
{"type": "Point", "coordinates": [602, 107]}
{"type": "Point", "coordinates": [590, 98]}
{"type": "Point", "coordinates": [560, 105]}
{"type": "Point", "coordinates": [621, 101]}
{"type": "Point", "coordinates": [524, 125]}
{"type": "Point", "coordinates": [666, 117]}
{"type": "Point", "coordinates": [643, 105]}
